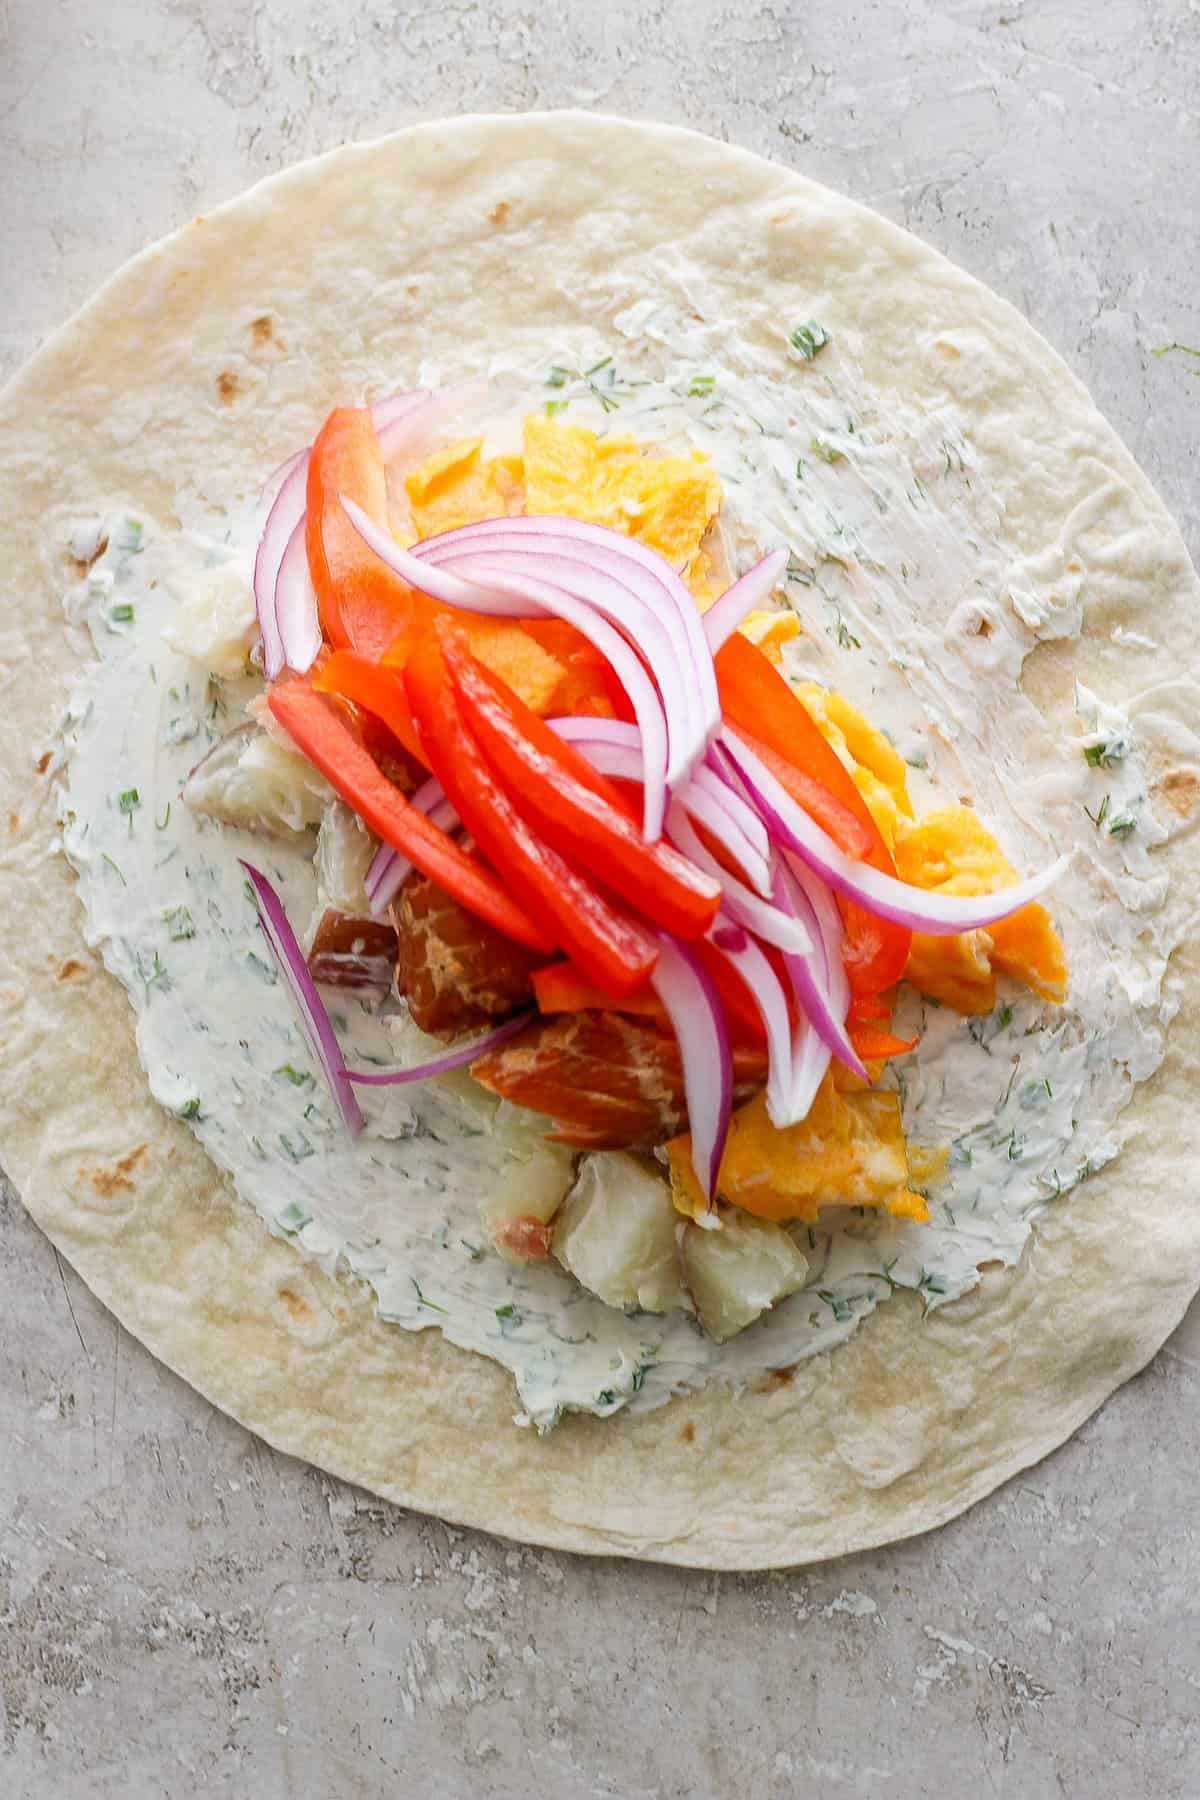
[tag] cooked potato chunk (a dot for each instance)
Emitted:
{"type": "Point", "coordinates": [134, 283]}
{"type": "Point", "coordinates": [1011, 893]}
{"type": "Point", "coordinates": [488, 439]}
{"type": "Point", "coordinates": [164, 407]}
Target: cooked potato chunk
{"type": "Point", "coordinates": [531, 1181]}
{"type": "Point", "coordinates": [250, 779]}
{"type": "Point", "coordinates": [214, 622]}
{"type": "Point", "coordinates": [737, 1272]}
{"type": "Point", "coordinates": [616, 1234]}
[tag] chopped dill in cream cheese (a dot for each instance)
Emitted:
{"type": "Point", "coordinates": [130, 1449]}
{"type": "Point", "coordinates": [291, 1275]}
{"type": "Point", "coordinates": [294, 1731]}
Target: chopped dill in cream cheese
{"type": "Point", "coordinates": [896, 555]}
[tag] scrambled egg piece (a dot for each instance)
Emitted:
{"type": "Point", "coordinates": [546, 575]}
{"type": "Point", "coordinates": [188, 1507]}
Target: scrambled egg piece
{"type": "Point", "coordinates": [770, 631]}
{"type": "Point", "coordinates": [878, 769]}
{"type": "Point", "coordinates": [849, 1151]}
{"type": "Point", "coordinates": [667, 502]}
{"type": "Point", "coordinates": [951, 852]}
{"type": "Point", "coordinates": [456, 487]}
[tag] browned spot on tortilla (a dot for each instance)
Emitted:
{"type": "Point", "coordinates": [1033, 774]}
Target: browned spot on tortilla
{"type": "Point", "coordinates": [72, 970]}
{"type": "Point", "coordinates": [43, 762]}
{"type": "Point", "coordinates": [300, 1310]}
{"type": "Point", "coordinates": [228, 387]}
{"type": "Point", "coordinates": [688, 1434]}
{"type": "Point", "coordinates": [262, 330]}
{"type": "Point", "coordinates": [116, 1179]}
{"type": "Point", "coordinates": [412, 290]}
{"type": "Point", "coordinates": [14, 823]}
{"type": "Point", "coordinates": [984, 628]}
{"type": "Point", "coordinates": [782, 1377]}
{"type": "Point", "coordinates": [84, 563]}
{"type": "Point", "coordinates": [1181, 791]}
{"type": "Point", "coordinates": [499, 213]}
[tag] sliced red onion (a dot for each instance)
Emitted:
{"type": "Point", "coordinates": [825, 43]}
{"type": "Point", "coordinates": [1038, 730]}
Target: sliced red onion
{"type": "Point", "coordinates": [285, 514]}
{"type": "Point", "coordinates": [615, 600]}
{"type": "Point", "coordinates": [389, 870]}
{"type": "Point", "coordinates": [694, 1008]}
{"type": "Point", "coordinates": [611, 552]}
{"type": "Point", "coordinates": [624, 761]}
{"type": "Point", "coordinates": [810, 1060]}
{"type": "Point", "coordinates": [400, 868]}
{"type": "Point", "coordinates": [739, 809]}
{"type": "Point", "coordinates": [535, 598]}
{"type": "Point", "coordinates": [441, 1065]}
{"type": "Point", "coordinates": [744, 955]}
{"type": "Point", "coordinates": [830, 932]}
{"type": "Point", "coordinates": [811, 975]}
{"type": "Point", "coordinates": [740, 902]}
{"type": "Point", "coordinates": [296, 616]}
{"type": "Point", "coordinates": [941, 915]}
{"type": "Point", "coordinates": [293, 966]}
{"type": "Point", "coordinates": [726, 614]}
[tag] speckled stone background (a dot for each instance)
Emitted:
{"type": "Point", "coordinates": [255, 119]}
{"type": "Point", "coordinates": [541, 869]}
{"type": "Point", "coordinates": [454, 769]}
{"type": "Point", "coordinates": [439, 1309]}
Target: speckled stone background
{"type": "Point", "coordinates": [184, 1612]}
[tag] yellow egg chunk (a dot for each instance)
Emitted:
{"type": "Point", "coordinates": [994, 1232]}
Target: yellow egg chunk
{"type": "Point", "coordinates": [456, 487]}
{"type": "Point", "coordinates": [666, 502]}
{"type": "Point", "coordinates": [878, 770]}
{"type": "Point", "coordinates": [849, 1151]}
{"type": "Point", "coordinates": [951, 852]}
{"type": "Point", "coordinates": [770, 631]}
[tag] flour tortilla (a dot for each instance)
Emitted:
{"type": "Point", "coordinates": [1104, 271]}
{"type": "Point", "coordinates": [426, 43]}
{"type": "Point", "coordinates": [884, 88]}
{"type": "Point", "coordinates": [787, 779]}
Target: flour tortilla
{"type": "Point", "coordinates": [198, 368]}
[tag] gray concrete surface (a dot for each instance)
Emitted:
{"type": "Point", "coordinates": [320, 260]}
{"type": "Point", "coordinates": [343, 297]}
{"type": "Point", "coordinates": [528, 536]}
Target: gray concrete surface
{"type": "Point", "coordinates": [184, 1612]}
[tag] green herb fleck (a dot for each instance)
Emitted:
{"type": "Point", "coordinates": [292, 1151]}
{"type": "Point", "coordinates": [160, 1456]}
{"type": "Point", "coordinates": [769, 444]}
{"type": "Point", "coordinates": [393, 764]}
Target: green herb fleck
{"type": "Point", "coordinates": [130, 535]}
{"type": "Point", "coordinates": [261, 968]}
{"type": "Point", "coordinates": [1122, 825]}
{"type": "Point", "coordinates": [191, 1109]}
{"type": "Point", "coordinates": [1100, 815]}
{"type": "Point", "coordinates": [128, 801]}
{"type": "Point", "coordinates": [701, 385]}
{"type": "Point", "coordinates": [157, 977]}
{"type": "Point", "coordinates": [474, 1251]}
{"type": "Point", "coordinates": [826, 451]}
{"type": "Point", "coordinates": [1004, 1015]}
{"type": "Point", "coordinates": [507, 1312]}
{"type": "Point", "coordinates": [122, 614]}
{"type": "Point", "coordinates": [106, 858]}
{"type": "Point", "coordinates": [837, 1304]}
{"type": "Point", "coordinates": [1183, 349]}
{"type": "Point", "coordinates": [429, 1304]}
{"type": "Point", "coordinates": [606, 1397]}
{"type": "Point", "coordinates": [180, 924]}
{"type": "Point", "coordinates": [161, 824]}
{"type": "Point", "coordinates": [558, 376]}
{"type": "Point", "coordinates": [809, 339]}
{"type": "Point", "coordinates": [552, 408]}
{"type": "Point", "coordinates": [841, 633]}
{"type": "Point", "coordinates": [604, 363]}
{"type": "Point", "coordinates": [297, 1077]}
{"type": "Point", "coordinates": [296, 1150]}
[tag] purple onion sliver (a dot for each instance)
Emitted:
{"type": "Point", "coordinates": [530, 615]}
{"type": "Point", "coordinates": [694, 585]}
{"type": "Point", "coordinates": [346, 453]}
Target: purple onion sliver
{"type": "Point", "coordinates": [286, 512]}
{"type": "Point", "coordinates": [920, 909]}
{"type": "Point", "coordinates": [293, 966]}
{"type": "Point", "coordinates": [400, 868]}
{"type": "Point", "coordinates": [296, 615]}
{"type": "Point", "coordinates": [694, 1008]}
{"type": "Point", "coordinates": [742, 903]}
{"type": "Point", "coordinates": [807, 974]}
{"type": "Point", "coordinates": [752, 966]}
{"type": "Point", "coordinates": [453, 1059]}
{"type": "Point", "coordinates": [726, 614]}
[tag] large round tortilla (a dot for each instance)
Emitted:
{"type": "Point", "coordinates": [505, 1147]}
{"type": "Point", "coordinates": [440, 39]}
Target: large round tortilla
{"type": "Point", "coordinates": [201, 365]}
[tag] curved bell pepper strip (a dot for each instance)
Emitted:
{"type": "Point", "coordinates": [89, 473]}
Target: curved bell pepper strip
{"type": "Point", "coordinates": [561, 987]}
{"type": "Point", "coordinates": [362, 603]}
{"type": "Point", "coordinates": [611, 948]}
{"type": "Point", "coordinates": [572, 807]}
{"type": "Point", "coordinates": [844, 827]}
{"type": "Point", "coordinates": [369, 684]}
{"type": "Point", "coordinates": [331, 746]}
{"type": "Point", "coordinates": [756, 699]}
{"type": "Point", "coordinates": [874, 1046]}
{"type": "Point", "coordinates": [868, 1009]}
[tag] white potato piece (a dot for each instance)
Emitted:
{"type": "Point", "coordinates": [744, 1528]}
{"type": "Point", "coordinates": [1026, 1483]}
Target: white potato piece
{"type": "Point", "coordinates": [250, 779]}
{"type": "Point", "coordinates": [214, 622]}
{"type": "Point", "coordinates": [616, 1234]}
{"type": "Point", "coordinates": [531, 1182]}
{"type": "Point", "coordinates": [345, 850]}
{"type": "Point", "coordinates": [736, 1273]}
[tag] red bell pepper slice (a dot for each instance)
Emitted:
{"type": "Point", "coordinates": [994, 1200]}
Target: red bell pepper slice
{"type": "Point", "coordinates": [362, 603]}
{"type": "Point", "coordinates": [561, 987]}
{"type": "Point", "coordinates": [756, 698]}
{"type": "Point", "coordinates": [611, 948]}
{"type": "Point", "coordinates": [572, 807]}
{"type": "Point", "coordinates": [369, 684]}
{"type": "Point", "coordinates": [329, 743]}
{"type": "Point", "coordinates": [874, 1045]}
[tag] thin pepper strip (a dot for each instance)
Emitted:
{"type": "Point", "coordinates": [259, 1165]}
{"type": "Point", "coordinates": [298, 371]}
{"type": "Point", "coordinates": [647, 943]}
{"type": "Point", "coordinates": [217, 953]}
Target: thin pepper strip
{"type": "Point", "coordinates": [756, 699]}
{"type": "Point", "coordinates": [875, 1046]}
{"type": "Point", "coordinates": [369, 684]}
{"type": "Point", "coordinates": [362, 603]}
{"type": "Point", "coordinates": [574, 809]}
{"type": "Point", "coordinates": [331, 746]}
{"type": "Point", "coordinates": [612, 949]}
